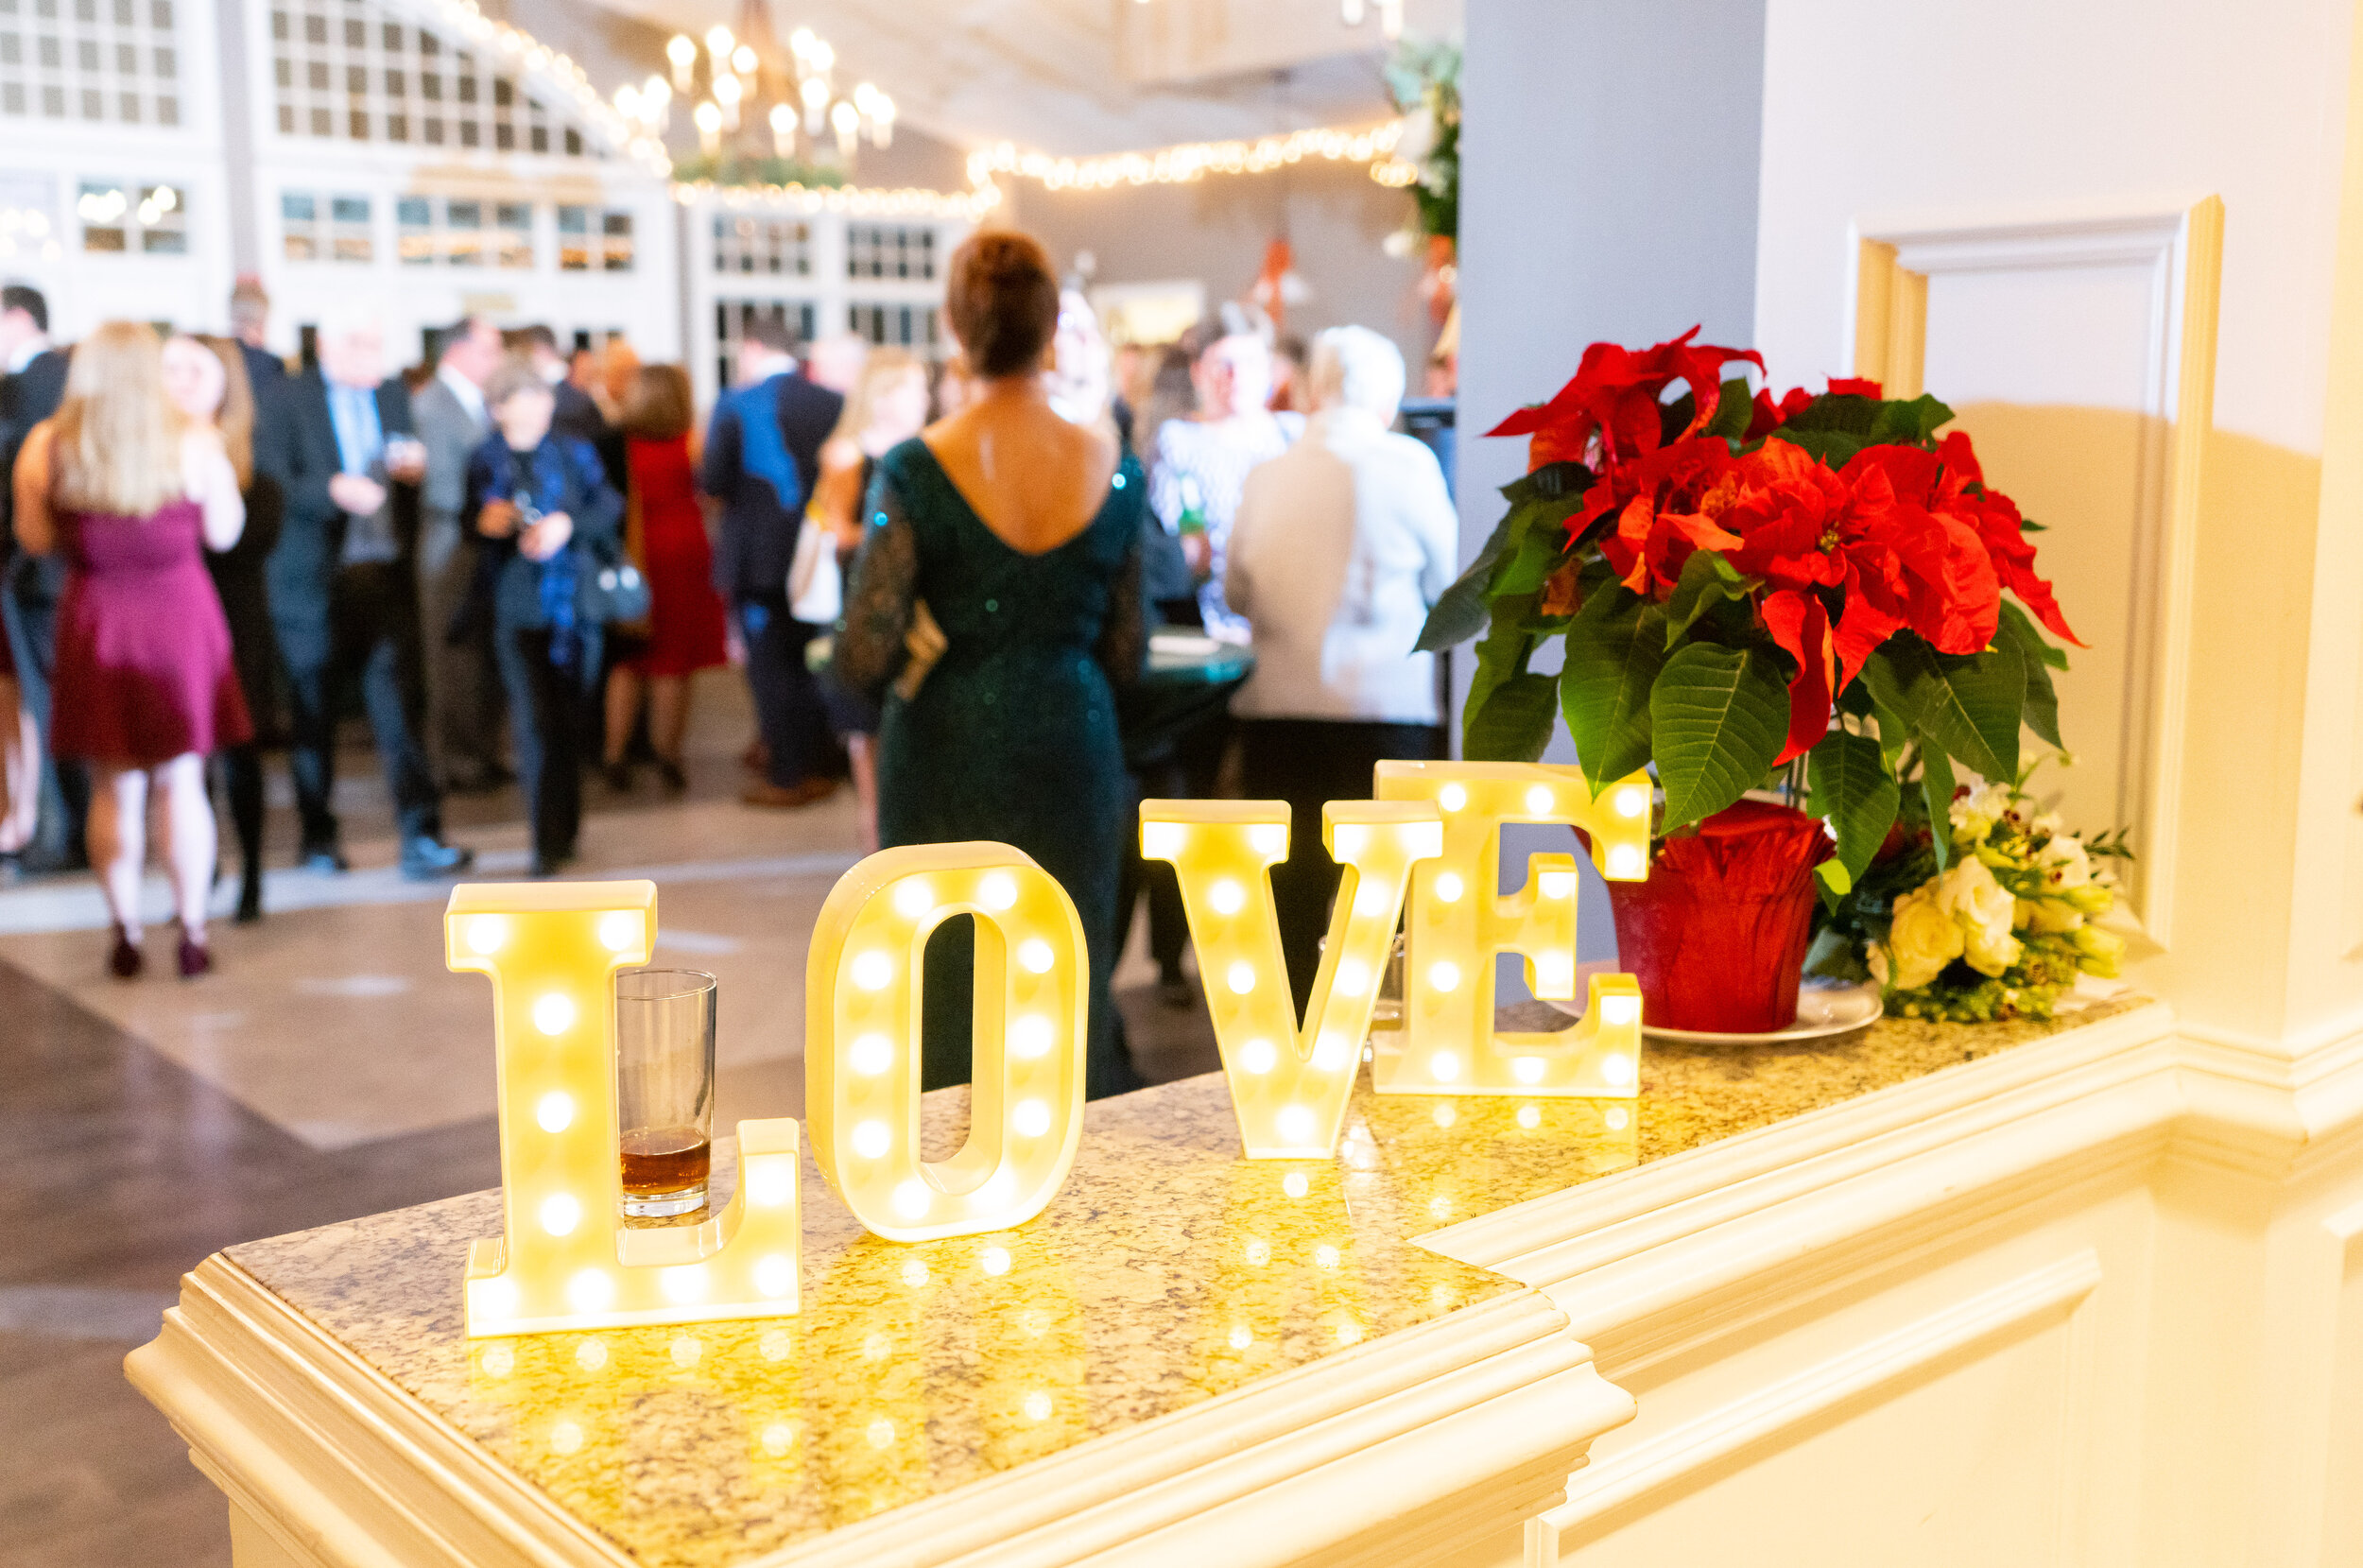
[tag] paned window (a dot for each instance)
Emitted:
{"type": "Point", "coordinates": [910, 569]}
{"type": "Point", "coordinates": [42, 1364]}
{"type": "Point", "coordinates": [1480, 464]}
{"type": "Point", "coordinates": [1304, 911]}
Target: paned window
{"type": "Point", "coordinates": [595, 239]}
{"type": "Point", "coordinates": [889, 251]}
{"type": "Point", "coordinates": [432, 231]}
{"type": "Point", "coordinates": [316, 228]}
{"type": "Point", "coordinates": [104, 61]}
{"type": "Point", "coordinates": [152, 219]}
{"type": "Point", "coordinates": [905, 326]}
{"type": "Point", "coordinates": [729, 328]}
{"type": "Point", "coordinates": [768, 246]}
{"type": "Point", "coordinates": [348, 70]}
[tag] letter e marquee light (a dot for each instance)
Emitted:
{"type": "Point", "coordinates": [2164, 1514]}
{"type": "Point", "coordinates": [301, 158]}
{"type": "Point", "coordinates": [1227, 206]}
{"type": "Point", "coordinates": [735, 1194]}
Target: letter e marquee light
{"type": "Point", "coordinates": [862, 986]}
{"type": "Point", "coordinates": [565, 1260]}
{"type": "Point", "coordinates": [1458, 923]}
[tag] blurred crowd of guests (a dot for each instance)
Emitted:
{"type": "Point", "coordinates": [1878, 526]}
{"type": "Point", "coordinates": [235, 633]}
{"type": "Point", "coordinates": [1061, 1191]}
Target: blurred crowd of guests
{"type": "Point", "coordinates": [514, 559]}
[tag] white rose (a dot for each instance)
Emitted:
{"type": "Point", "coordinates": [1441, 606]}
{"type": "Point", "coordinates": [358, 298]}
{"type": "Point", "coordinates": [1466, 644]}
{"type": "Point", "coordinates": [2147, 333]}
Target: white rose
{"type": "Point", "coordinates": [2064, 863]}
{"type": "Point", "coordinates": [1974, 814]}
{"type": "Point", "coordinates": [1922, 937]}
{"type": "Point", "coordinates": [1984, 910]}
{"type": "Point", "coordinates": [1418, 135]}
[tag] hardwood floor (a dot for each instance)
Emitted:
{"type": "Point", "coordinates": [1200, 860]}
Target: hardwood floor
{"type": "Point", "coordinates": [124, 1170]}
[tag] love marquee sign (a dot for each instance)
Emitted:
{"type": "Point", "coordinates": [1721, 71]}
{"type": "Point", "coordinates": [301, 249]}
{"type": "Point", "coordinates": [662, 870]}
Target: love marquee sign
{"type": "Point", "coordinates": [1424, 855]}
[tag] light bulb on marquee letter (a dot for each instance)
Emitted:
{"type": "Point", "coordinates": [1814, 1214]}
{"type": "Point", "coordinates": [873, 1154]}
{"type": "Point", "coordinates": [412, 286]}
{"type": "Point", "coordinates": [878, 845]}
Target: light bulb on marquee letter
{"type": "Point", "coordinates": [565, 1260]}
{"type": "Point", "coordinates": [1458, 923]}
{"type": "Point", "coordinates": [1290, 1085]}
{"type": "Point", "coordinates": [861, 1040]}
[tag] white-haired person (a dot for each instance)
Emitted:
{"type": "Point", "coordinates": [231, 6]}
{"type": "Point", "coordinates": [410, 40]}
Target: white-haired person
{"type": "Point", "coordinates": [131, 492]}
{"type": "Point", "coordinates": [343, 587]}
{"type": "Point", "coordinates": [1338, 549]}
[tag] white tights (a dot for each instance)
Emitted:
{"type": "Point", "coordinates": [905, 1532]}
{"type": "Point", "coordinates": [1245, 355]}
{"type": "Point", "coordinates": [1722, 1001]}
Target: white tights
{"type": "Point", "coordinates": [118, 837]}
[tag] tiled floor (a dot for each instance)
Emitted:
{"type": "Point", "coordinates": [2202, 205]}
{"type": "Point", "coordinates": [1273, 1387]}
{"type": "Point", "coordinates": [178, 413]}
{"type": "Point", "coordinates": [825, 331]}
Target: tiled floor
{"type": "Point", "coordinates": [330, 1068]}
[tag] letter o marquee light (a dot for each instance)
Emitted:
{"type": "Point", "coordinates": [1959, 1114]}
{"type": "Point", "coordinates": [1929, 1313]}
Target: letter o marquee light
{"type": "Point", "coordinates": [565, 1260]}
{"type": "Point", "coordinates": [1456, 927]}
{"type": "Point", "coordinates": [861, 1040]}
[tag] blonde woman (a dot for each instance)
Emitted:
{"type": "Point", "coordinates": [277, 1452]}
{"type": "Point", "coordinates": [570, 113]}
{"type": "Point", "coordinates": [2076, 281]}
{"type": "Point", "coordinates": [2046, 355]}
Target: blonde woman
{"type": "Point", "coordinates": [888, 406]}
{"type": "Point", "coordinates": [132, 494]}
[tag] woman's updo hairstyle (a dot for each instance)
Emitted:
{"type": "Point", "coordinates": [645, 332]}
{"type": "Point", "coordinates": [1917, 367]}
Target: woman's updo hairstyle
{"type": "Point", "coordinates": [1002, 301]}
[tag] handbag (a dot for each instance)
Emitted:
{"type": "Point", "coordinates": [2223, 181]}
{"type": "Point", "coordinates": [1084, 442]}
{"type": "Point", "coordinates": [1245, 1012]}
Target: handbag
{"type": "Point", "coordinates": [610, 589]}
{"type": "Point", "coordinates": [816, 585]}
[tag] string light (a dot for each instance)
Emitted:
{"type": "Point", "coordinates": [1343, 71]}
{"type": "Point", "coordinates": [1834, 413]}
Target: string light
{"type": "Point", "coordinates": [848, 201]}
{"type": "Point", "coordinates": [1192, 161]}
{"type": "Point", "coordinates": [561, 76]}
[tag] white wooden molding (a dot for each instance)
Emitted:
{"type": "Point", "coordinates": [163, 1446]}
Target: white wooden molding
{"type": "Point", "coordinates": [2182, 247]}
{"type": "Point", "coordinates": [1465, 1424]}
{"type": "Point", "coordinates": [1767, 1414]}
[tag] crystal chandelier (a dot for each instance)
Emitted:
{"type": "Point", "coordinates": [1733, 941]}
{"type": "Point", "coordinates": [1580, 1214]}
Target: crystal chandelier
{"type": "Point", "coordinates": [743, 85]}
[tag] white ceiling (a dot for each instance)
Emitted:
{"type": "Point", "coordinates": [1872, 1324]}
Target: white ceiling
{"type": "Point", "coordinates": [1076, 77]}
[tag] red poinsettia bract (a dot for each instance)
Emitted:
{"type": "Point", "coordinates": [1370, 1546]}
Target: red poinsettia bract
{"type": "Point", "coordinates": [1900, 537]}
{"type": "Point", "coordinates": [1616, 395]}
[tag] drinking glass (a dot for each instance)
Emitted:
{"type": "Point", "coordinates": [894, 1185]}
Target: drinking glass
{"type": "Point", "coordinates": [664, 1089]}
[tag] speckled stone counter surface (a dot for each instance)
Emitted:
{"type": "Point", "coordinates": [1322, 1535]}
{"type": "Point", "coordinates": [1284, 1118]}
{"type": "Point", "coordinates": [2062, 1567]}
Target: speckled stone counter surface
{"type": "Point", "coordinates": [1167, 1271]}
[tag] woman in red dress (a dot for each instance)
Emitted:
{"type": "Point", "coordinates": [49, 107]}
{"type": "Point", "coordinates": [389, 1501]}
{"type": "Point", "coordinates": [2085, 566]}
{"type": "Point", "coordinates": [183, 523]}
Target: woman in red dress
{"type": "Point", "coordinates": [666, 531]}
{"type": "Point", "coordinates": [145, 689]}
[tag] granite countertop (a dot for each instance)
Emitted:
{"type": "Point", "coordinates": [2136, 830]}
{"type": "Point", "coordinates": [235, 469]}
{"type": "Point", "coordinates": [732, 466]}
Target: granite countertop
{"type": "Point", "coordinates": [1167, 1271]}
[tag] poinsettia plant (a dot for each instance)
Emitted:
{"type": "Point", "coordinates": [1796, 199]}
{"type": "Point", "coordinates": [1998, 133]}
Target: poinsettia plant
{"type": "Point", "coordinates": [1807, 591]}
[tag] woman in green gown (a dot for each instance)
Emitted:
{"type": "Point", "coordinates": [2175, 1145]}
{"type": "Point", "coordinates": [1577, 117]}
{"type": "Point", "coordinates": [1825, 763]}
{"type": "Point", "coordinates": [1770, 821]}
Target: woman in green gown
{"type": "Point", "coordinates": [1019, 533]}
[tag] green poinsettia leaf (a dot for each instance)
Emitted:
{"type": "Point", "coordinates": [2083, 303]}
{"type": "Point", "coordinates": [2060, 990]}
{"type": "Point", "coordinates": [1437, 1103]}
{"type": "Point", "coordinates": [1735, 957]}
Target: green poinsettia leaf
{"type": "Point", "coordinates": [1707, 581]}
{"type": "Point", "coordinates": [2041, 709]}
{"type": "Point", "coordinates": [1936, 787]}
{"type": "Point", "coordinates": [1566, 481]}
{"type": "Point", "coordinates": [1718, 717]}
{"type": "Point", "coordinates": [1514, 723]}
{"type": "Point", "coordinates": [1850, 785]}
{"type": "Point", "coordinates": [1616, 648]}
{"type": "Point", "coordinates": [1847, 412]}
{"type": "Point", "coordinates": [1537, 552]}
{"type": "Point", "coordinates": [1967, 705]}
{"type": "Point", "coordinates": [1461, 612]}
{"type": "Point", "coordinates": [1910, 421]}
{"type": "Point", "coordinates": [1732, 410]}
{"type": "Point", "coordinates": [1834, 447]}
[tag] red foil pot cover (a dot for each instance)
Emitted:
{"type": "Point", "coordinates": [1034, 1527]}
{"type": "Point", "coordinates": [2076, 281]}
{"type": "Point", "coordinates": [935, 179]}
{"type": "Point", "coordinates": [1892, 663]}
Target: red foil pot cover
{"type": "Point", "coordinates": [1717, 935]}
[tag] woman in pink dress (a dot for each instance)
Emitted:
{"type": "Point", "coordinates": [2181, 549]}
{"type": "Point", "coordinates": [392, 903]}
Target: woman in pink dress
{"type": "Point", "coordinates": [145, 689]}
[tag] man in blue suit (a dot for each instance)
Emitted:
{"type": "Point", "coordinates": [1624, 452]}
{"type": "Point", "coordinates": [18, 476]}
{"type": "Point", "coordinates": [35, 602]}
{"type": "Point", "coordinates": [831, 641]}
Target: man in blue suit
{"type": "Point", "coordinates": [762, 460]}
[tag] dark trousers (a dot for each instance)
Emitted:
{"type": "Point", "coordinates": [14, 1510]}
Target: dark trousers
{"type": "Point", "coordinates": [241, 771]}
{"type": "Point", "coordinates": [1190, 770]}
{"type": "Point", "coordinates": [368, 630]}
{"type": "Point", "coordinates": [28, 607]}
{"type": "Point", "coordinates": [1307, 763]}
{"type": "Point", "coordinates": [788, 710]}
{"type": "Point", "coordinates": [549, 719]}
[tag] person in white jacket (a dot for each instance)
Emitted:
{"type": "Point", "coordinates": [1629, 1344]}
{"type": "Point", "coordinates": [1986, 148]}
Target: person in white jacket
{"type": "Point", "coordinates": [1339, 548]}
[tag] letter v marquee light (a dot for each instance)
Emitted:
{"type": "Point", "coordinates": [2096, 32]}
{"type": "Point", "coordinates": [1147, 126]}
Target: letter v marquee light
{"type": "Point", "coordinates": [1458, 923]}
{"type": "Point", "coordinates": [1289, 1085]}
{"type": "Point", "coordinates": [564, 1259]}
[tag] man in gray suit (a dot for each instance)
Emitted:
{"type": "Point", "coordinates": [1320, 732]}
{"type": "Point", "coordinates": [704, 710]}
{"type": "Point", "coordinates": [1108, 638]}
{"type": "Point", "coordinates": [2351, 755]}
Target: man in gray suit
{"type": "Point", "coordinates": [463, 707]}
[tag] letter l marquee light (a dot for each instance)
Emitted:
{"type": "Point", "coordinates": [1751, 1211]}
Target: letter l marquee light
{"type": "Point", "coordinates": [1458, 923]}
{"type": "Point", "coordinates": [564, 1259]}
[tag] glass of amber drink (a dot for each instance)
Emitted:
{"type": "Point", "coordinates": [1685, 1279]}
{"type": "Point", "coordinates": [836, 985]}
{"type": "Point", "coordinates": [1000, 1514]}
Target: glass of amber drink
{"type": "Point", "coordinates": [664, 1089]}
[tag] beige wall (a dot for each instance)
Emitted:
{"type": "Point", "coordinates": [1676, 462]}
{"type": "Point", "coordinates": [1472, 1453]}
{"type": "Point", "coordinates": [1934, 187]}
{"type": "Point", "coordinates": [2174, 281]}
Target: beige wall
{"type": "Point", "coordinates": [2031, 116]}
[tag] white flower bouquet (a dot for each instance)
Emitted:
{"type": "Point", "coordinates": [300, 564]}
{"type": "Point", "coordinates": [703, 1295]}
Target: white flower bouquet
{"type": "Point", "coordinates": [2005, 928]}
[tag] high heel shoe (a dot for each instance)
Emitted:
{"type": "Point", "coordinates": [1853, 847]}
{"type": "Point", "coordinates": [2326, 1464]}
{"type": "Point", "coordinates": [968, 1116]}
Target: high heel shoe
{"type": "Point", "coordinates": [676, 782]}
{"type": "Point", "coordinates": [251, 897]}
{"type": "Point", "coordinates": [195, 958]}
{"type": "Point", "coordinates": [125, 960]}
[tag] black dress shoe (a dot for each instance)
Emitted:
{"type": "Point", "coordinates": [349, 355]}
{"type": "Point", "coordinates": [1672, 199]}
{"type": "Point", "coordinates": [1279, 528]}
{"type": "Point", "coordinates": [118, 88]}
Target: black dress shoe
{"type": "Point", "coordinates": [323, 858]}
{"type": "Point", "coordinates": [249, 897]}
{"type": "Point", "coordinates": [425, 858]}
